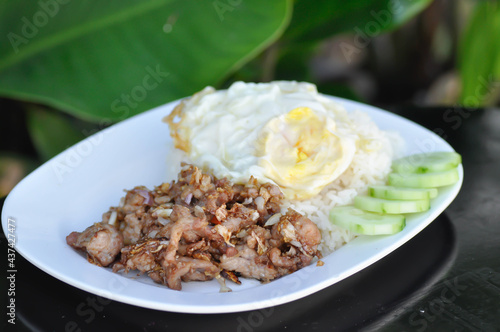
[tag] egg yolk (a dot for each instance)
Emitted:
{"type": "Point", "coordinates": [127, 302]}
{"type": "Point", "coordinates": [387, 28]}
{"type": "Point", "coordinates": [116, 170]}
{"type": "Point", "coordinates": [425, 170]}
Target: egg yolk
{"type": "Point", "coordinates": [301, 152]}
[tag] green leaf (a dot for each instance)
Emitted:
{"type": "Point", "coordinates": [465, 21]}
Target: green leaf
{"type": "Point", "coordinates": [367, 17]}
{"type": "Point", "coordinates": [113, 59]}
{"type": "Point", "coordinates": [479, 55]}
{"type": "Point", "coordinates": [52, 132]}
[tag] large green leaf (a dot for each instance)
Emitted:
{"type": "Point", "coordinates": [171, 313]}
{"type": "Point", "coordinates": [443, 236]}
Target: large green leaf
{"type": "Point", "coordinates": [113, 59]}
{"type": "Point", "coordinates": [479, 55]}
{"type": "Point", "coordinates": [324, 18]}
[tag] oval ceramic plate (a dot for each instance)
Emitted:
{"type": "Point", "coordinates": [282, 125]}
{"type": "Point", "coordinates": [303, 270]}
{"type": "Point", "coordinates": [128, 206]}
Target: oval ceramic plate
{"type": "Point", "coordinates": [72, 190]}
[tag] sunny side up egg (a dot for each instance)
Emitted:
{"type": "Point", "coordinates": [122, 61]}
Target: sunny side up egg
{"type": "Point", "coordinates": [280, 132]}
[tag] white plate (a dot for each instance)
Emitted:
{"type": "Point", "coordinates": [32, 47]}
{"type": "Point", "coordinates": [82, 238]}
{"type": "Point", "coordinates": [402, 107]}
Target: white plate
{"type": "Point", "coordinates": [72, 190]}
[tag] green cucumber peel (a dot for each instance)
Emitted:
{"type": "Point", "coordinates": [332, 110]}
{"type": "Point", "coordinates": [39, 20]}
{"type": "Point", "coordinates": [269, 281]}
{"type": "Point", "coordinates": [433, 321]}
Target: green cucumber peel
{"type": "Point", "coordinates": [366, 223]}
{"type": "Point", "coordinates": [422, 163]}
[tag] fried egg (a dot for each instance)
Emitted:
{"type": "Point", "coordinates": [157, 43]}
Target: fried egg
{"type": "Point", "coordinates": [280, 132]}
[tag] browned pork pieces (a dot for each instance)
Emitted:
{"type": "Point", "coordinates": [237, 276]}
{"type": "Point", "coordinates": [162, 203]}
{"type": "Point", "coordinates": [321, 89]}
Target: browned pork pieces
{"type": "Point", "coordinates": [101, 241]}
{"type": "Point", "coordinates": [199, 228]}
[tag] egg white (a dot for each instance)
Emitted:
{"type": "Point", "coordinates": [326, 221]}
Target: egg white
{"type": "Point", "coordinates": [230, 132]}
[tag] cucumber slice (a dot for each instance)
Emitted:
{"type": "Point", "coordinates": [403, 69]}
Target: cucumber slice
{"type": "Point", "coordinates": [381, 205]}
{"type": "Point", "coordinates": [426, 180]}
{"type": "Point", "coordinates": [427, 162]}
{"type": "Point", "coordinates": [366, 223]}
{"type": "Point", "coordinates": [404, 194]}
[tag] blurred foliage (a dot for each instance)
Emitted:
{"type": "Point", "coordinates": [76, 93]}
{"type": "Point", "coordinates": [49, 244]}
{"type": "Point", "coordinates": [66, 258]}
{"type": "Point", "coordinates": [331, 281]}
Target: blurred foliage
{"type": "Point", "coordinates": [68, 69]}
{"type": "Point", "coordinates": [479, 56]}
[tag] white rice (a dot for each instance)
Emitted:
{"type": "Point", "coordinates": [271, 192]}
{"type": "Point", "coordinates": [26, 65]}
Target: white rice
{"type": "Point", "coordinates": [371, 165]}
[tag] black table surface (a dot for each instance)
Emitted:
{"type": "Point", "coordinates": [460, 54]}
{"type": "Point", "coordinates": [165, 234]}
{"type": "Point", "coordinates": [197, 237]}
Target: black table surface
{"type": "Point", "coordinates": [447, 278]}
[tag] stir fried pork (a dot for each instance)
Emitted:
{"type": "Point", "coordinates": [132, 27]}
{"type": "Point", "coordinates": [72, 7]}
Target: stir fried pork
{"type": "Point", "coordinates": [101, 241]}
{"type": "Point", "coordinates": [200, 228]}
